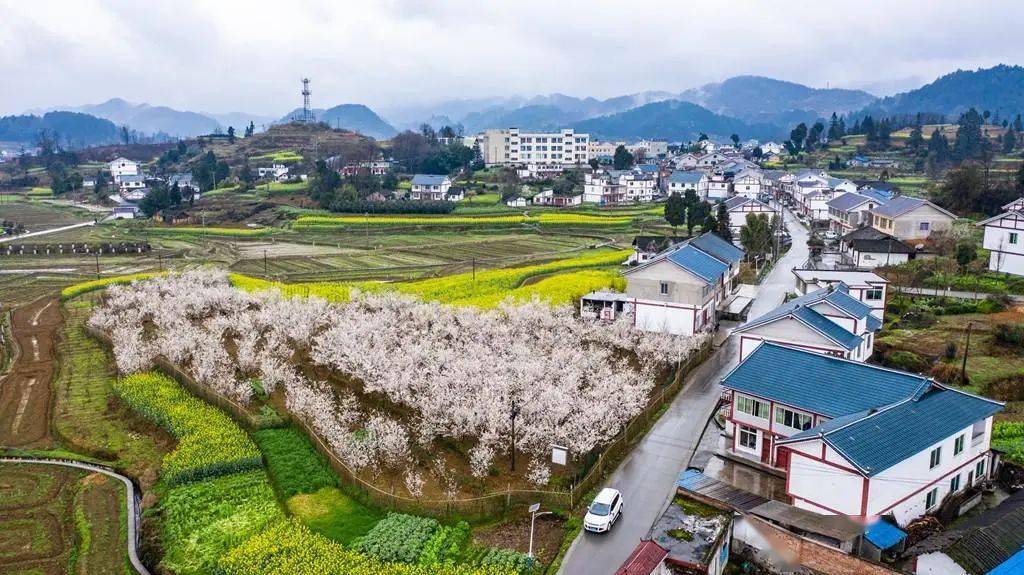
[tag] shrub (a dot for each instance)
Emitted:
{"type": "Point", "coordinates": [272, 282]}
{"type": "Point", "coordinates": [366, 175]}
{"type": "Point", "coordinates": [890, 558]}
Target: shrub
{"type": "Point", "coordinates": [295, 466]}
{"type": "Point", "coordinates": [1006, 388]}
{"type": "Point", "coordinates": [506, 558]}
{"type": "Point", "coordinates": [947, 373]}
{"type": "Point", "coordinates": [951, 349]}
{"type": "Point", "coordinates": [906, 361]}
{"type": "Point", "coordinates": [1009, 334]}
{"type": "Point", "coordinates": [398, 538]}
{"type": "Point", "coordinates": [445, 546]}
{"type": "Point", "coordinates": [209, 442]}
{"type": "Point", "coordinates": [1009, 438]}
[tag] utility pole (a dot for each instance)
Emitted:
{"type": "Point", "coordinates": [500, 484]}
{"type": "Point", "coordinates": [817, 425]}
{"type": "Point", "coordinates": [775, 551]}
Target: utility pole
{"type": "Point", "coordinates": [97, 256]}
{"type": "Point", "coordinates": [967, 347]}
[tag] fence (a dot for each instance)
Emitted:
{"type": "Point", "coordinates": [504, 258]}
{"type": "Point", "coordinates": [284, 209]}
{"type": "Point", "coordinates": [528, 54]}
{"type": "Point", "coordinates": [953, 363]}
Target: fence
{"type": "Point", "coordinates": [482, 507]}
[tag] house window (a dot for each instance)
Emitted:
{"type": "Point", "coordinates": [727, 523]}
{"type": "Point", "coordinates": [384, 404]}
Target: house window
{"type": "Point", "coordinates": [664, 288]}
{"type": "Point", "coordinates": [935, 458]}
{"type": "Point", "coordinates": [958, 445]}
{"type": "Point", "coordinates": [923, 226]}
{"type": "Point", "coordinates": [1013, 237]}
{"type": "Point", "coordinates": [954, 483]}
{"type": "Point", "coordinates": [873, 294]}
{"type": "Point", "coordinates": [752, 407]}
{"type": "Point", "coordinates": [931, 499]}
{"type": "Point", "coordinates": [978, 432]}
{"type": "Point", "coordinates": [748, 437]}
{"type": "Point", "coordinates": [979, 469]}
{"type": "Point", "coordinates": [792, 419]}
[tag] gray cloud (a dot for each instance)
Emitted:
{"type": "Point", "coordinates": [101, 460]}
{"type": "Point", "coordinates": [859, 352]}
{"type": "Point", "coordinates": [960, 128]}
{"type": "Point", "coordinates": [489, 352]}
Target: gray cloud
{"type": "Point", "coordinates": [249, 55]}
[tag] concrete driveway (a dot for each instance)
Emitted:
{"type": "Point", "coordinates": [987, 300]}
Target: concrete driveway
{"type": "Point", "coordinates": [647, 475]}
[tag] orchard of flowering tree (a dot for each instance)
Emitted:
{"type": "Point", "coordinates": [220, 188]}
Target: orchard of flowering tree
{"type": "Point", "coordinates": [400, 375]}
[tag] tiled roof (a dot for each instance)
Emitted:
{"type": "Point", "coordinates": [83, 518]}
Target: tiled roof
{"type": "Point", "coordinates": [681, 177]}
{"type": "Point", "coordinates": [903, 204]}
{"type": "Point", "coordinates": [735, 202]}
{"type": "Point", "coordinates": [821, 384]}
{"type": "Point", "coordinates": [877, 439]}
{"type": "Point", "coordinates": [428, 180]}
{"type": "Point", "coordinates": [827, 327]}
{"type": "Point", "coordinates": [800, 308]}
{"type": "Point", "coordinates": [644, 559]}
{"type": "Point", "coordinates": [848, 201]}
{"type": "Point", "coordinates": [841, 298]}
{"type": "Point", "coordinates": [880, 196]}
{"type": "Point", "coordinates": [718, 247]}
{"type": "Point", "coordinates": [698, 263]}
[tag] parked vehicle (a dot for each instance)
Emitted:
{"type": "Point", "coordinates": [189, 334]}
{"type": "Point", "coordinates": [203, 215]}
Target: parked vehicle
{"type": "Point", "coordinates": [831, 236]}
{"type": "Point", "coordinates": [604, 511]}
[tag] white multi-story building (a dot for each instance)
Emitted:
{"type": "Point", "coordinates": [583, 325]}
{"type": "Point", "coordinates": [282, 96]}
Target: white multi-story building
{"type": "Point", "coordinates": [827, 320]}
{"type": "Point", "coordinates": [1004, 238]}
{"type": "Point", "coordinates": [739, 207]}
{"type": "Point", "coordinates": [603, 188]}
{"type": "Point", "coordinates": [748, 183]}
{"type": "Point", "coordinates": [867, 287]}
{"type": "Point", "coordinates": [681, 181]}
{"type": "Point", "coordinates": [512, 147]}
{"type": "Point", "coordinates": [677, 291]}
{"type": "Point", "coordinates": [123, 167]}
{"type": "Point", "coordinates": [640, 186]}
{"type": "Point", "coordinates": [432, 188]}
{"type": "Point", "coordinates": [857, 439]}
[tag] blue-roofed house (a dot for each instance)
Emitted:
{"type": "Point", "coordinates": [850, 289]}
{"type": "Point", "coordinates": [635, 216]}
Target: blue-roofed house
{"type": "Point", "coordinates": [680, 181]}
{"type": "Point", "coordinates": [851, 211]}
{"type": "Point", "coordinates": [432, 188]}
{"type": "Point", "coordinates": [828, 320]}
{"type": "Point", "coordinates": [908, 218]}
{"type": "Point", "coordinates": [858, 439]}
{"type": "Point", "coordinates": [678, 290]}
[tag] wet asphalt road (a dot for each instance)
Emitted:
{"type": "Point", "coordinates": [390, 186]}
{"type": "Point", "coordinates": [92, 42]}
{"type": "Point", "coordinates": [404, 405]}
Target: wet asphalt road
{"type": "Point", "coordinates": [647, 476]}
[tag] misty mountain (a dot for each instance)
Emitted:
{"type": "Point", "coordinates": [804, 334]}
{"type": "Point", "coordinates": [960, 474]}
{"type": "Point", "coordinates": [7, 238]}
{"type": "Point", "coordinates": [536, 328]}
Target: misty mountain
{"type": "Point", "coordinates": [150, 119]}
{"type": "Point", "coordinates": [999, 90]}
{"type": "Point", "coordinates": [766, 100]}
{"type": "Point", "coordinates": [72, 129]}
{"type": "Point", "coordinates": [355, 117]}
{"type": "Point", "coordinates": [674, 121]}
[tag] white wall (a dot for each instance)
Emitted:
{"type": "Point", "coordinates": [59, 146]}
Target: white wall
{"type": "Point", "coordinates": [937, 564]}
{"type": "Point", "coordinates": [824, 485]}
{"type": "Point", "coordinates": [1005, 257]}
{"type": "Point", "coordinates": [665, 317]}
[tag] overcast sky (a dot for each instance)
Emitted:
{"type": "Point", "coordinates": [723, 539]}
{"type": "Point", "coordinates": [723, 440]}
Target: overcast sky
{"type": "Point", "coordinates": [234, 55]}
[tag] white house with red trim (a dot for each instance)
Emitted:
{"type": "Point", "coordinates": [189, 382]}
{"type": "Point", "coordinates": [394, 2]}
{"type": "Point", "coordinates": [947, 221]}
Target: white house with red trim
{"type": "Point", "coordinates": [828, 321]}
{"type": "Point", "coordinates": [866, 287]}
{"type": "Point", "coordinates": [1004, 238]}
{"type": "Point", "coordinates": [748, 183]}
{"type": "Point", "coordinates": [677, 291]}
{"type": "Point", "coordinates": [857, 439]}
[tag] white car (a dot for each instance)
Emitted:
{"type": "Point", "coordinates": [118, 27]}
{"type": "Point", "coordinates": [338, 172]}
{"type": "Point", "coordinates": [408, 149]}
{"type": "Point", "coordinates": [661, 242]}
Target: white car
{"type": "Point", "coordinates": [604, 511]}
{"type": "Point", "coordinates": [831, 236]}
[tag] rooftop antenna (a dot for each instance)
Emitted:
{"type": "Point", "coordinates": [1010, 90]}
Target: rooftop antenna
{"type": "Point", "coordinates": [307, 112]}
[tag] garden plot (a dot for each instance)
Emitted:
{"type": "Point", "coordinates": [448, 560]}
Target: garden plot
{"type": "Point", "coordinates": [25, 393]}
{"type": "Point", "coordinates": [39, 216]}
{"type": "Point", "coordinates": [394, 386]}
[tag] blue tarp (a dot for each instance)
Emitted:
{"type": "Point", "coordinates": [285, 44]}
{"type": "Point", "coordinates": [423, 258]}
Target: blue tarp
{"type": "Point", "coordinates": [1012, 566]}
{"type": "Point", "coordinates": [884, 535]}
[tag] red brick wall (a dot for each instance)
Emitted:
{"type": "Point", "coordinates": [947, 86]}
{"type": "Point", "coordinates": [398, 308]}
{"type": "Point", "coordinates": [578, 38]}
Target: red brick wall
{"type": "Point", "coordinates": [793, 551]}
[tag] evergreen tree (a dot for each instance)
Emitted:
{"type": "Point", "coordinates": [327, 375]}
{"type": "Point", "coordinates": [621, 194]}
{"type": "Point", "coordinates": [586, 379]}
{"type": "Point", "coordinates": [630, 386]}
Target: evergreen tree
{"type": "Point", "coordinates": [250, 129]}
{"type": "Point", "coordinates": [735, 140]}
{"type": "Point", "coordinates": [916, 139]}
{"type": "Point", "coordinates": [708, 221]}
{"type": "Point", "coordinates": [797, 137]}
{"type": "Point", "coordinates": [938, 148]}
{"type": "Point", "coordinates": [675, 211]}
{"type": "Point", "coordinates": [1018, 125]}
{"type": "Point", "coordinates": [231, 134]}
{"type": "Point", "coordinates": [722, 228]}
{"type": "Point", "coordinates": [622, 160]}
{"type": "Point", "coordinates": [968, 143]}
{"type": "Point", "coordinates": [833, 128]}
{"type": "Point", "coordinates": [842, 128]}
{"type": "Point", "coordinates": [756, 236]}
{"type": "Point", "coordinates": [1009, 141]}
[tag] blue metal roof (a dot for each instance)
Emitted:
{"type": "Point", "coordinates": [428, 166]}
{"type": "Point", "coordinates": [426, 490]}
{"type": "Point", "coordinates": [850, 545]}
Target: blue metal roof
{"type": "Point", "coordinates": [880, 196]}
{"type": "Point", "coordinates": [880, 439]}
{"type": "Point", "coordinates": [799, 308]}
{"type": "Point", "coordinates": [821, 384]}
{"type": "Point", "coordinates": [848, 201]}
{"type": "Point", "coordinates": [717, 247]}
{"type": "Point", "coordinates": [827, 327]}
{"type": "Point", "coordinates": [681, 177]}
{"type": "Point", "coordinates": [428, 180]}
{"type": "Point", "coordinates": [1012, 566]}
{"type": "Point", "coordinates": [698, 263]}
{"type": "Point", "coordinates": [646, 167]}
{"type": "Point", "coordinates": [884, 535]}
{"type": "Point", "coordinates": [899, 206]}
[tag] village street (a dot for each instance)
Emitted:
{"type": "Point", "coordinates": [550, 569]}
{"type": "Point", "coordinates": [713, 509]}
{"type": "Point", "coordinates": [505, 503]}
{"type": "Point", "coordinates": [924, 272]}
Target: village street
{"type": "Point", "coordinates": [647, 476]}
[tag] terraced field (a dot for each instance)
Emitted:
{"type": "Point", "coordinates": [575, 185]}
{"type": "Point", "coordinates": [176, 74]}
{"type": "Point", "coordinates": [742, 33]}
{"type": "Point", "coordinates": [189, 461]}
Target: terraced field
{"type": "Point", "coordinates": [55, 520]}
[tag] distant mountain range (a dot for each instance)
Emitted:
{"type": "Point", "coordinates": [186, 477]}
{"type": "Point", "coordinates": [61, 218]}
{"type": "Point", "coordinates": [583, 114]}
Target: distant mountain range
{"type": "Point", "coordinates": [71, 129]}
{"type": "Point", "coordinates": [355, 117]}
{"type": "Point", "coordinates": [999, 90]}
{"type": "Point", "coordinates": [751, 106]}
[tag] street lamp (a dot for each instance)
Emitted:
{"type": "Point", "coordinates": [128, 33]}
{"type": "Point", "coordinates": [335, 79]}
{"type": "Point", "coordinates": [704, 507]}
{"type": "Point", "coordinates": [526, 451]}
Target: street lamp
{"type": "Point", "coordinates": [535, 512]}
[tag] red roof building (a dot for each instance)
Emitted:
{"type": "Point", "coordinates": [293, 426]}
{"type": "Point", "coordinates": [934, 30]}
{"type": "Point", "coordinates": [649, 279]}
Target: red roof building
{"type": "Point", "coordinates": [647, 558]}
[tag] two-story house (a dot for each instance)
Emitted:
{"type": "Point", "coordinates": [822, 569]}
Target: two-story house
{"type": "Point", "coordinates": [850, 211]}
{"type": "Point", "coordinates": [715, 188]}
{"type": "Point", "coordinates": [122, 166]}
{"type": "Point", "coordinates": [1004, 238]}
{"type": "Point", "coordinates": [868, 288]}
{"type": "Point", "coordinates": [910, 219]}
{"type": "Point", "coordinates": [679, 182]}
{"type": "Point", "coordinates": [827, 320]}
{"type": "Point", "coordinates": [739, 207]}
{"type": "Point", "coordinates": [678, 290]}
{"type": "Point", "coordinates": [748, 183]}
{"type": "Point", "coordinates": [431, 187]}
{"type": "Point", "coordinates": [857, 439]}
{"type": "Point", "coordinates": [867, 248]}
{"type": "Point", "coordinates": [550, 198]}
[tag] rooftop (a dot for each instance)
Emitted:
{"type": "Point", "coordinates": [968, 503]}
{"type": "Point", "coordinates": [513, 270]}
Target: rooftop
{"type": "Point", "coordinates": [838, 527]}
{"type": "Point", "coordinates": [644, 559]}
{"type": "Point", "coordinates": [690, 530]}
{"type": "Point", "coordinates": [849, 277]}
{"type": "Point", "coordinates": [801, 309]}
{"type": "Point", "coordinates": [428, 180]}
{"type": "Point", "coordinates": [821, 384]}
{"type": "Point", "coordinates": [698, 263]}
{"type": "Point", "coordinates": [717, 247]}
{"type": "Point", "coordinates": [681, 177]}
{"type": "Point", "coordinates": [903, 204]}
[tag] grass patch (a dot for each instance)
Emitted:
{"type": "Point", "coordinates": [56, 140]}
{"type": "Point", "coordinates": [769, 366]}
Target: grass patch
{"type": "Point", "coordinates": [295, 466]}
{"type": "Point", "coordinates": [333, 514]}
{"type": "Point", "coordinates": [696, 508]}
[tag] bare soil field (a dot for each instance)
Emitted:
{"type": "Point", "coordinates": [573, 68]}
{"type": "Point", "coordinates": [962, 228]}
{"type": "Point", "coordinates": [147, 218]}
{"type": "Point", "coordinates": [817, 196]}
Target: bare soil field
{"type": "Point", "coordinates": [25, 396]}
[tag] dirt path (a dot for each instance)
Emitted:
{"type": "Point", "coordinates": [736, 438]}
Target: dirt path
{"type": "Point", "coordinates": [25, 396]}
